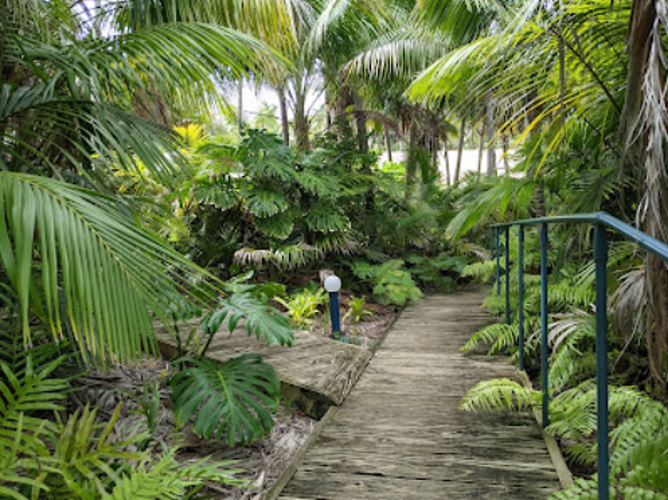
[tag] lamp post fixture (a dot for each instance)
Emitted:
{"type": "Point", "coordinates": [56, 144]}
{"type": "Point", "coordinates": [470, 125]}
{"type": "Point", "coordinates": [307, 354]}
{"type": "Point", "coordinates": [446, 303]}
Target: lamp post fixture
{"type": "Point", "coordinates": [333, 285]}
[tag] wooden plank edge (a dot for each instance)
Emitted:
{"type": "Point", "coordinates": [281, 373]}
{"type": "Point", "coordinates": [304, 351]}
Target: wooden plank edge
{"type": "Point", "coordinates": [564, 473]}
{"type": "Point", "coordinates": [294, 463]}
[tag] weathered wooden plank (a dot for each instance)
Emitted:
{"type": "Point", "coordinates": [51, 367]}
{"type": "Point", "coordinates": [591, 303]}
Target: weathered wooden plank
{"type": "Point", "coordinates": [399, 434]}
{"type": "Point", "coordinates": [324, 368]}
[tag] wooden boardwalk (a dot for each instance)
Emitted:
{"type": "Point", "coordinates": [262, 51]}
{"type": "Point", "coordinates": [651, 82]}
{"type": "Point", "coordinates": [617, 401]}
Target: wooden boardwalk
{"type": "Point", "coordinates": [400, 436]}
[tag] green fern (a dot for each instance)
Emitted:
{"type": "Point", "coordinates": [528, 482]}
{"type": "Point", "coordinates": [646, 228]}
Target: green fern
{"type": "Point", "coordinates": [34, 391]}
{"type": "Point", "coordinates": [642, 419]}
{"type": "Point", "coordinates": [584, 489]}
{"type": "Point", "coordinates": [392, 285]}
{"type": "Point", "coordinates": [499, 335]}
{"type": "Point", "coordinates": [499, 394]}
{"type": "Point", "coordinates": [168, 479]}
{"type": "Point", "coordinates": [233, 400]}
{"type": "Point", "coordinates": [484, 271]}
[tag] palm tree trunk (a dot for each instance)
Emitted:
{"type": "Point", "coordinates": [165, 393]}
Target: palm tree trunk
{"type": "Point", "coordinates": [446, 158]}
{"type": "Point", "coordinates": [491, 153]}
{"type": "Point", "coordinates": [285, 125]}
{"type": "Point", "coordinates": [240, 106]}
{"type": "Point", "coordinates": [506, 164]}
{"type": "Point", "coordinates": [360, 121]}
{"type": "Point", "coordinates": [460, 148]}
{"type": "Point", "coordinates": [481, 146]}
{"type": "Point", "coordinates": [642, 128]}
{"type": "Point", "coordinates": [301, 120]}
{"type": "Point", "coordinates": [388, 143]}
{"type": "Point", "coordinates": [411, 161]}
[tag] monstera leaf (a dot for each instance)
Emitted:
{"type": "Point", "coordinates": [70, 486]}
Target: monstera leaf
{"type": "Point", "coordinates": [260, 319]}
{"type": "Point", "coordinates": [233, 400]}
{"type": "Point", "coordinates": [264, 202]}
{"type": "Point", "coordinates": [279, 225]}
{"type": "Point", "coordinates": [325, 218]}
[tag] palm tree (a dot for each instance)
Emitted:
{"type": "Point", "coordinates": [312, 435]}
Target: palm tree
{"type": "Point", "coordinates": [76, 256]}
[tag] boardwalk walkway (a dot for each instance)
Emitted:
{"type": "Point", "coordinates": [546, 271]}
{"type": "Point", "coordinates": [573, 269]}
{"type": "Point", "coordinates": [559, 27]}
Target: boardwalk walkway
{"type": "Point", "coordinates": [399, 435]}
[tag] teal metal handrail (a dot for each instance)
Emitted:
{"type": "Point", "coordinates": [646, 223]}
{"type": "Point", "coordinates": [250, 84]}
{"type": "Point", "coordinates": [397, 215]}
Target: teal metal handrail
{"type": "Point", "coordinates": [601, 222]}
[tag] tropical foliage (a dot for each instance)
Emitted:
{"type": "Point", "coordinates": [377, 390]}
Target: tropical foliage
{"type": "Point", "coordinates": [133, 194]}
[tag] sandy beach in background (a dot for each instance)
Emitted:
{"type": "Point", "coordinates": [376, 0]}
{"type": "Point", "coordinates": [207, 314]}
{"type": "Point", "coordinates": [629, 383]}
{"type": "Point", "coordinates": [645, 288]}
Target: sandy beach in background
{"type": "Point", "coordinates": [469, 162]}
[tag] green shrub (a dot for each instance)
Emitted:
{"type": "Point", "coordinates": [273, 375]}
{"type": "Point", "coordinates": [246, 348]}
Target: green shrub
{"type": "Point", "coordinates": [303, 306]}
{"type": "Point", "coordinates": [391, 283]}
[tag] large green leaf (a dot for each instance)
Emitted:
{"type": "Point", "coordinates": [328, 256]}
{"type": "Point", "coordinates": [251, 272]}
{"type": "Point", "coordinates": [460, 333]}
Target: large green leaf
{"type": "Point", "coordinates": [233, 400]}
{"type": "Point", "coordinates": [325, 218]}
{"type": "Point", "coordinates": [279, 225]}
{"type": "Point", "coordinates": [259, 318]}
{"type": "Point", "coordinates": [265, 202]}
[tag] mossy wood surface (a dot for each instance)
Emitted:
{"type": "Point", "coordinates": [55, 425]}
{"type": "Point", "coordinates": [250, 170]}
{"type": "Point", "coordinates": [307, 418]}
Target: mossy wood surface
{"type": "Point", "coordinates": [400, 436]}
{"type": "Point", "coordinates": [316, 371]}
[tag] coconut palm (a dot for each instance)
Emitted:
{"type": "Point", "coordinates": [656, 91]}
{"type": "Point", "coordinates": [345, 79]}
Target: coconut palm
{"type": "Point", "coordinates": [70, 100]}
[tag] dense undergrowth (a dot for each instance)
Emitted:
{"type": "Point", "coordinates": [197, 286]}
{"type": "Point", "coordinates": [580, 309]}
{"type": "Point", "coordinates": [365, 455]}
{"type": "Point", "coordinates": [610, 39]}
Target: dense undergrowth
{"type": "Point", "coordinates": [638, 415]}
{"type": "Point", "coordinates": [128, 199]}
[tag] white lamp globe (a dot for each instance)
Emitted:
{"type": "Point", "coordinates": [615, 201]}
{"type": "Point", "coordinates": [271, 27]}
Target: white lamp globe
{"type": "Point", "coordinates": [332, 283]}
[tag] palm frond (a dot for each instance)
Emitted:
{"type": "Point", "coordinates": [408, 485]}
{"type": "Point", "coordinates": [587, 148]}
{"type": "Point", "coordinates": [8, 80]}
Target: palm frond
{"type": "Point", "coordinates": [109, 273]}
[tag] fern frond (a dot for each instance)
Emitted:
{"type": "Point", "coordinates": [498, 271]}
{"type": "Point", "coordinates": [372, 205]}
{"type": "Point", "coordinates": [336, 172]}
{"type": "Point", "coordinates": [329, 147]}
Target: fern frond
{"type": "Point", "coordinates": [20, 397]}
{"type": "Point", "coordinates": [499, 335]}
{"type": "Point", "coordinates": [646, 419]}
{"type": "Point", "coordinates": [648, 463]}
{"type": "Point", "coordinates": [584, 489]}
{"type": "Point", "coordinates": [481, 270]}
{"type": "Point", "coordinates": [499, 394]}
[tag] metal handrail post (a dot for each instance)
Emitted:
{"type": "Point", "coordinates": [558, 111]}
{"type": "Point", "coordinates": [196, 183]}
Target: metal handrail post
{"type": "Point", "coordinates": [498, 255]}
{"type": "Point", "coordinates": [507, 275]}
{"type": "Point", "coordinates": [545, 383]}
{"type": "Point", "coordinates": [520, 262]}
{"type": "Point", "coordinates": [601, 261]}
{"type": "Point", "coordinates": [491, 247]}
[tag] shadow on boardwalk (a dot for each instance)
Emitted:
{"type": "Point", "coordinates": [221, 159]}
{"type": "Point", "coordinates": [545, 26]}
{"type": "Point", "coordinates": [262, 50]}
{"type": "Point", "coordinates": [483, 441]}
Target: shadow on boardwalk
{"type": "Point", "coordinates": [400, 436]}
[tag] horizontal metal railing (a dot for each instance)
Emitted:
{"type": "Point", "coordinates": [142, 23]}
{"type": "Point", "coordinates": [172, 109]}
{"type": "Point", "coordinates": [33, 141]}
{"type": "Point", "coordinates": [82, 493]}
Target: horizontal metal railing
{"type": "Point", "coordinates": [602, 222]}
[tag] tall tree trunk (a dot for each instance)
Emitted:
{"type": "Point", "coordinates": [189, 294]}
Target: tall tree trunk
{"type": "Point", "coordinates": [240, 106]}
{"type": "Point", "coordinates": [342, 123]}
{"type": "Point", "coordinates": [481, 146]}
{"type": "Point", "coordinates": [411, 161]}
{"type": "Point", "coordinates": [388, 143]}
{"type": "Point", "coordinates": [642, 128]}
{"type": "Point", "coordinates": [506, 164]}
{"type": "Point", "coordinates": [491, 153]}
{"type": "Point", "coordinates": [460, 148]}
{"type": "Point", "coordinates": [360, 122]}
{"type": "Point", "coordinates": [285, 124]}
{"type": "Point", "coordinates": [446, 158]}
{"type": "Point", "coordinates": [641, 24]}
{"type": "Point", "coordinates": [301, 120]}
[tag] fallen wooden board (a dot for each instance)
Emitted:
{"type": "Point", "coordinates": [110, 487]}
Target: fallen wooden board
{"type": "Point", "coordinates": [316, 372]}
